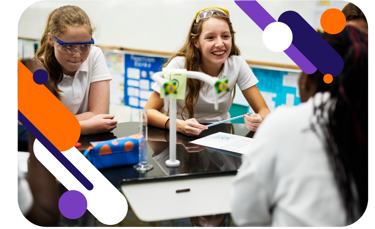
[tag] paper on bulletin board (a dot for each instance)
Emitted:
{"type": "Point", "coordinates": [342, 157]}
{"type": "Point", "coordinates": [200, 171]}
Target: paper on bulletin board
{"type": "Point", "coordinates": [328, 3]}
{"type": "Point", "coordinates": [138, 82]}
{"type": "Point", "coordinates": [20, 49]}
{"type": "Point", "coordinates": [28, 49]}
{"type": "Point", "coordinates": [117, 89]}
{"type": "Point", "coordinates": [319, 7]}
{"type": "Point", "coordinates": [276, 85]}
{"type": "Point", "coordinates": [115, 62]}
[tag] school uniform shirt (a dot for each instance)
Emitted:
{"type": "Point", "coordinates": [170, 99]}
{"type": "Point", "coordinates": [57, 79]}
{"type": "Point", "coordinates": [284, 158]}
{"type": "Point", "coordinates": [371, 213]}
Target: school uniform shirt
{"type": "Point", "coordinates": [25, 198]}
{"type": "Point", "coordinates": [235, 70]}
{"type": "Point", "coordinates": [75, 90]}
{"type": "Point", "coordinates": [285, 178]}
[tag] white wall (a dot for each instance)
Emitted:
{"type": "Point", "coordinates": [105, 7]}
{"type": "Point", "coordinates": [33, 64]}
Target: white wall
{"type": "Point", "coordinates": [162, 25]}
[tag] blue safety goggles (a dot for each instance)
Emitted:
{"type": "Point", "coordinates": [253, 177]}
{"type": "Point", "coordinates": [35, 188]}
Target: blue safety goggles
{"type": "Point", "coordinates": [73, 47]}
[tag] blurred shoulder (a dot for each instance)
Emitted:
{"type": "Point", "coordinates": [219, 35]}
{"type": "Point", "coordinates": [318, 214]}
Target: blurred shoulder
{"type": "Point", "coordinates": [178, 62]}
{"type": "Point", "coordinates": [236, 60]}
{"type": "Point", "coordinates": [286, 119]}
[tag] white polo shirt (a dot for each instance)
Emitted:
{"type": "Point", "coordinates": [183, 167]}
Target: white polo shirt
{"type": "Point", "coordinates": [285, 179]}
{"type": "Point", "coordinates": [75, 90]}
{"type": "Point", "coordinates": [235, 70]}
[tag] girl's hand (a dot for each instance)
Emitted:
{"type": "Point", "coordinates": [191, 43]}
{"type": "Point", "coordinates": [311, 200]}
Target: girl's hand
{"type": "Point", "coordinates": [252, 121]}
{"type": "Point", "coordinates": [101, 123]}
{"type": "Point", "coordinates": [190, 127]}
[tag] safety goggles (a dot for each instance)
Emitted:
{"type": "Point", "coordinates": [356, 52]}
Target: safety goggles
{"type": "Point", "coordinates": [208, 12]}
{"type": "Point", "coordinates": [73, 47]}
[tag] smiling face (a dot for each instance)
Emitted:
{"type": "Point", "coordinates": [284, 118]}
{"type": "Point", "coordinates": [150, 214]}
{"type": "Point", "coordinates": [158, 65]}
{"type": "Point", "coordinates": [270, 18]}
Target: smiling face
{"type": "Point", "coordinates": [214, 43]}
{"type": "Point", "coordinates": [71, 62]}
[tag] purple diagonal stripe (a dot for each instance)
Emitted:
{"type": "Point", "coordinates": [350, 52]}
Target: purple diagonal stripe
{"type": "Point", "coordinates": [256, 12]}
{"type": "Point", "coordinates": [262, 18]}
{"type": "Point", "coordinates": [300, 59]}
{"type": "Point", "coordinates": [55, 152]}
{"type": "Point", "coordinates": [312, 45]}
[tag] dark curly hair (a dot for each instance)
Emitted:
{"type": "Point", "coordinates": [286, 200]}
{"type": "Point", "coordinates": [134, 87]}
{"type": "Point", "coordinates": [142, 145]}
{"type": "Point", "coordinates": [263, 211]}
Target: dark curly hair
{"type": "Point", "coordinates": [342, 121]}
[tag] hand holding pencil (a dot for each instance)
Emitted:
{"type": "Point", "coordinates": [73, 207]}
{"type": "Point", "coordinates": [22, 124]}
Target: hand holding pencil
{"type": "Point", "coordinates": [227, 120]}
{"type": "Point", "coordinates": [253, 121]}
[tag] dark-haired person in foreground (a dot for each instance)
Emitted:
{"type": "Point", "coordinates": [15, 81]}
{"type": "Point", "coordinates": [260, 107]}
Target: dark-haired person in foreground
{"type": "Point", "coordinates": [308, 165]}
{"type": "Point", "coordinates": [355, 17]}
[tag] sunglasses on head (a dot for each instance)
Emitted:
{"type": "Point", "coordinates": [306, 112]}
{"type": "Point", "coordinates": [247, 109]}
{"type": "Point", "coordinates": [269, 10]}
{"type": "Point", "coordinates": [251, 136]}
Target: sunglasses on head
{"type": "Point", "coordinates": [208, 12]}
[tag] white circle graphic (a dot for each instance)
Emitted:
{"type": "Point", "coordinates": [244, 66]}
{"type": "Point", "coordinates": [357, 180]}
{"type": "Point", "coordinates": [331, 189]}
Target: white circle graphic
{"type": "Point", "coordinates": [277, 37]}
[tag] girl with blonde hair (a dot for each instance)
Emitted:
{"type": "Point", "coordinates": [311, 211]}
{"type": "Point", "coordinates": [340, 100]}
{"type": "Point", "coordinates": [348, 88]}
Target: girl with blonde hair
{"type": "Point", "coordinates": [77, 68]}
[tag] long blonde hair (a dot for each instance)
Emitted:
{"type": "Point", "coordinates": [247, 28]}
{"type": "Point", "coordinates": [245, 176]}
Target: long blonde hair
{"type": "Point", "coordinates": [193, 60]}
{"type": "Point", "coordinates": [57, 23]}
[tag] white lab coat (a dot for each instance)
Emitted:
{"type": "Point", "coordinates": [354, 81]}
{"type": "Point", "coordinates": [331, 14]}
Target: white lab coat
{"type": "Point", "coordinates": [285, 178]}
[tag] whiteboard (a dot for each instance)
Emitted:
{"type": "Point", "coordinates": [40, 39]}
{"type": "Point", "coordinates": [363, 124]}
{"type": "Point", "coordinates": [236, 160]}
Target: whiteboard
{"type": "Point", "coordinates": [162, 25]}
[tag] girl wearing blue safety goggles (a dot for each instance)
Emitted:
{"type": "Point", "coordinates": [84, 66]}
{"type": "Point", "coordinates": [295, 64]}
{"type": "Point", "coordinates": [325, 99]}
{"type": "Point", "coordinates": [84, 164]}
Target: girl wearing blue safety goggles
{"type": "Point", "coordinates": [73, 47]}
{"type": "Point", "coordinates": [77, 68]}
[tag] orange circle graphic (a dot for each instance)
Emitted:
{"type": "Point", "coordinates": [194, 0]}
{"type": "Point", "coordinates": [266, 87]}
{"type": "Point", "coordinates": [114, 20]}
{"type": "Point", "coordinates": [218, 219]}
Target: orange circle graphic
{"type": "Point", "coordinates": [333, 21]}
{"type": "Point", "coordinates": [327, 78]}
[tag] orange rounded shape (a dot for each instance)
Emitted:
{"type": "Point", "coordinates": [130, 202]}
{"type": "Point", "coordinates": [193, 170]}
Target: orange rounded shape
{"type": "Point", "coordinates": [136, 136]}
{"type": "Point", "coordinates": [94, 144]}
{"type": "Point", "coordinates": [46, 112]}
{"type": "Point", "coordinates": [327, 78]}
{"type": "Point", "coordinates": [128, 146]}
{"type": "Point", "coordinates": [115, 142]}
{"type": "Point", "coordinates": [333, 21]}
{"type": "Point", "coordinates": [106, 149]}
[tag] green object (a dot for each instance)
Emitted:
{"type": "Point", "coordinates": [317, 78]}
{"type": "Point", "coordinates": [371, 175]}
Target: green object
{"type": "Point", "coordinates": [221, 85]}
{"type": "Point", "coordinates": [177, 78]}
{"type": "Point", "coordinates": [236, 110]}
{"type": "Point", "coordinates": [170, 87]}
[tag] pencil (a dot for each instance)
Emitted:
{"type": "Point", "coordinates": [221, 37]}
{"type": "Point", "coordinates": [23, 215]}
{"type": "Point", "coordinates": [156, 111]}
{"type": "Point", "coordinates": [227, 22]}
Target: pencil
{"type": "Point", "coordinates": [227, 120]}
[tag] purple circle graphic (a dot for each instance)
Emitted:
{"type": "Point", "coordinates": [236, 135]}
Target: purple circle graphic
{"type": "Point", "coordinates": [40, 76]}
{"type": "Point", "coordinates": [72, 204]}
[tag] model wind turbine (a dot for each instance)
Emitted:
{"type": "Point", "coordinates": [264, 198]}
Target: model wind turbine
{"type": "Point", "coordinates": [170, 88]}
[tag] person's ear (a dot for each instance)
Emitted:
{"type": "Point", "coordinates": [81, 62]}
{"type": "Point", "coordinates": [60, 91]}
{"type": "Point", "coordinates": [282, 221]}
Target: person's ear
{"type": "Point", "coordinates": [195, 42]}
{"type": "Point", "coordinates": [51, 40]}
{"type": "Point", "coordinates": [303, 86]}
{"type": "Point", "coordinates": [302, 81]}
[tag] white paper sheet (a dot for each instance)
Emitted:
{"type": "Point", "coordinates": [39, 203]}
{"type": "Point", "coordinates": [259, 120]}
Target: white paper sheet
{"type": "Point", "coordinates": [134, 73]}
{"type": "Point", "coordinates": [225, 141]}
{"type": "Point", "coordinates": [133, 101]}
{"type": "Point", "coordinates": [117, 89]}
{"type": "Point", "coordinates": [133, 83]}
{"type": "Point", "coordinates": [289, 99]}
{"type": "Point", "coordinates": [20, 49]}
{"type": "Point", "coordinates": [145, 94]}
{"type": "Point", "coordinates": [144, 84]}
